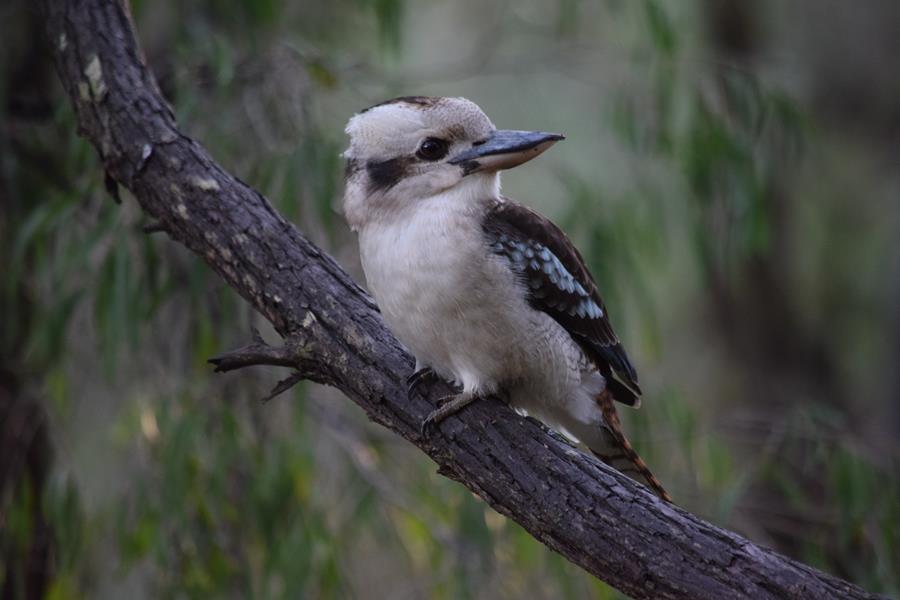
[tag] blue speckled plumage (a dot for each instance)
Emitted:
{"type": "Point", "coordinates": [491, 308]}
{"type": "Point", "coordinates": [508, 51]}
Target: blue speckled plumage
{"type": "Point", "coordinates": [539, 267]}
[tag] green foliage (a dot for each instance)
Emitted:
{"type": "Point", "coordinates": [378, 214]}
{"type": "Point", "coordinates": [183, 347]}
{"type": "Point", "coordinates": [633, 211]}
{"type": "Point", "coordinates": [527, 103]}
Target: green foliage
{"type": "Point", "coordinates": [224, 511]}
{"type": "Point", "coordinates": [389, 14]}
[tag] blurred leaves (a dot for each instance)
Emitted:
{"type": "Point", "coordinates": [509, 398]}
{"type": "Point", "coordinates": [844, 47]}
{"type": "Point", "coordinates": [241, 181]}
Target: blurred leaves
{"type": "Point", "coordinates": [660, 28]}
{"type": "Point", "coordinates": [389, 15]}
{"type": "Point", "coordinates": [229, 501]}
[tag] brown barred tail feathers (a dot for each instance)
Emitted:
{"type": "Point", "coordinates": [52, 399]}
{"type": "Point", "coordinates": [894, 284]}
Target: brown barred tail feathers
{"type": "Point", "coordinates": [616, 451]}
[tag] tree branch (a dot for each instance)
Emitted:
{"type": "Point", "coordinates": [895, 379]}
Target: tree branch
{"type": "Point", "coordinates": [594, 516]}
{"type": "Point", "coordinates": [260, 353]}
{"type": "Point", "coordinates": [257, 353]}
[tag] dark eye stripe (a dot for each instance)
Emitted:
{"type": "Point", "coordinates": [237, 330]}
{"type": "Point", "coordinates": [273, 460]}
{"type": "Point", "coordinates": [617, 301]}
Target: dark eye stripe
{"type": "Point", "coordinates": [383, 175]}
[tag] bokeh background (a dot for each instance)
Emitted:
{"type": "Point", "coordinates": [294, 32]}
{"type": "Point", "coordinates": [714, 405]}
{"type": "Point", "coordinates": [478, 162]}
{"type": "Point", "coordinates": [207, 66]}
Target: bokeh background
{"type": "Point", "coordinates": [731, 174]}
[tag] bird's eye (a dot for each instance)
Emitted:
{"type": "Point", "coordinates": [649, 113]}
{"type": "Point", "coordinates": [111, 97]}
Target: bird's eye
{"type": "Point", "coordinates": [432, 149]}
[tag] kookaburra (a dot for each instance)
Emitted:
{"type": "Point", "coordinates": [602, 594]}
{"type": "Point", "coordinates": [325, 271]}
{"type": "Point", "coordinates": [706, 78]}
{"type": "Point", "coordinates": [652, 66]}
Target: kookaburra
{"type": "Point", "coordinates": [484, 292]}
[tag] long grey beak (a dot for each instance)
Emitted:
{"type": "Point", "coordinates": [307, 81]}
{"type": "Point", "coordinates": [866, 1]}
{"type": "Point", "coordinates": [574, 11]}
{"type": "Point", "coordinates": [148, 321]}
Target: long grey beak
{"type": "Point", "coordinates": [504, 149]}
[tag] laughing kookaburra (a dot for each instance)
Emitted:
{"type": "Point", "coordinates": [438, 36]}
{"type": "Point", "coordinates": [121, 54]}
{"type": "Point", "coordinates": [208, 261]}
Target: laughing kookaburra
{"type": "Point", "coordinates": [485, 292]}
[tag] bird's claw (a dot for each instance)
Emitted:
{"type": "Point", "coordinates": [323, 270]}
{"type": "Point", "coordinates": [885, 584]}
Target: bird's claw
{"type": "Point", "coordinates": [429, 426]}
{"type": "Point", "coordinates": [418, 378]}
{"type": "Point", "coordinates": [448, 405]}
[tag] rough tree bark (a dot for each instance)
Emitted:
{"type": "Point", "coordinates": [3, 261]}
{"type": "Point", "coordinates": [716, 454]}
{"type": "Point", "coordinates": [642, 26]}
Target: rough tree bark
{"type": "Point", "coordinates": [334, 334]}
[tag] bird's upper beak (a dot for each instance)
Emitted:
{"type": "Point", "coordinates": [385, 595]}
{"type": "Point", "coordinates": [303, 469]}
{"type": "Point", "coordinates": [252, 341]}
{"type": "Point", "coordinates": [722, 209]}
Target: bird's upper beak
{"type": "Point", "coordinates": [504, 149]}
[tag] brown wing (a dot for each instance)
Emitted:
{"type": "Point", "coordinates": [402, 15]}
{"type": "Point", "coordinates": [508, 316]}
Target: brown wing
{"type": "Point", "coordinates": [560, 285]}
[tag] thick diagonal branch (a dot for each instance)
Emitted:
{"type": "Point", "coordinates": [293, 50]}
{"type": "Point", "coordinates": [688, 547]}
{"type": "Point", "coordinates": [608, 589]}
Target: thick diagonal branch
{"type": "Point", "coordinates": [570, 502]}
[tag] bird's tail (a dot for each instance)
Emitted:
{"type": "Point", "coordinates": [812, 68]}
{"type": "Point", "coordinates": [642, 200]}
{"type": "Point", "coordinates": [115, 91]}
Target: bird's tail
{"type": "Point", "coordinates": [613, 448]}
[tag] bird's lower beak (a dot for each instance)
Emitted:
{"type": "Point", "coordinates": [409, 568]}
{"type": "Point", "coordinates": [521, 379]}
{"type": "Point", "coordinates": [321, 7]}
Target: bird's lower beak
{"type": "Point", "coordinates": [504, 149]}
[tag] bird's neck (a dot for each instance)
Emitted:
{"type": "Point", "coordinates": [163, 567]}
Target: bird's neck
{"type": "Point", "coordinates": [399, 205]}
{"type": "Point", "coordinates": [472, 193]}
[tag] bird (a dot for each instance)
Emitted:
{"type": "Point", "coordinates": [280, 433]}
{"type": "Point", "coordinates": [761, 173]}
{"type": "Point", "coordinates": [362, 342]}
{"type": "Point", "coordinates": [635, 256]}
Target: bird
{"type": "Point", "coordinates": [485, 292]}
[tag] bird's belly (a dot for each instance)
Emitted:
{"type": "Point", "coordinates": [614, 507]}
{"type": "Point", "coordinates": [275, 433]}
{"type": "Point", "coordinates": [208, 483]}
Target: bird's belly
{"type": "Point", "coordinates": [556, 371]}
{"type": "Point", "coordinates": [456, 307]}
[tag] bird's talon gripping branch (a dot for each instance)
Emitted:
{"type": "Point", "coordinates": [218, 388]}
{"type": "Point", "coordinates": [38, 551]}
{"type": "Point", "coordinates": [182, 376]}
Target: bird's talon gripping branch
{"type": "Point", "coordinates": [447, 406]}
{"type": "Point", "coordinates": [423, 375]}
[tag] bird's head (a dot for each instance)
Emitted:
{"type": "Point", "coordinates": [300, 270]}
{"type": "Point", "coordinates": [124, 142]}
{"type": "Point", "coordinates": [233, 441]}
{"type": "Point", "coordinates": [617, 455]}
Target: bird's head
{"type": "Point", "coordinates": [412, 148]}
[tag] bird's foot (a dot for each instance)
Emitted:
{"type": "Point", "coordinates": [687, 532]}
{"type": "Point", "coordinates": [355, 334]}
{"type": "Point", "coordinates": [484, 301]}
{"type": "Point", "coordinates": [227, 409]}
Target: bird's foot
{"type": "Point", "coordinates": [448, 405]}
{"type": "Point", "coordinates": [418, 378]}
